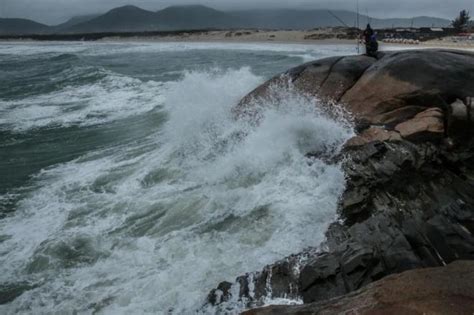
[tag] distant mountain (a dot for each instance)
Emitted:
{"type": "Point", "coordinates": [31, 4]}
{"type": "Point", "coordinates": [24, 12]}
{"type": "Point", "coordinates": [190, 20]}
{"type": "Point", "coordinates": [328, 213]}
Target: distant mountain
{"type": "Point", "coordinates": [307, 19]}
{"type": "Point", "coordinates": [194, 17]}
{"type": "Point", "coordinates": [21, 27]}
{"type": "Point", "coordinates": [419, 21]}
{"type": "Point", "coordinates": [123, 19]}
{"type": "Point", "coordinates": [197, 17]}
{"type": "Point", "coordinates": [75, 21]}
{"type": "Point", "coordinates": [294, 19]}
{"type": "Point", "coordinates": [131, 18]}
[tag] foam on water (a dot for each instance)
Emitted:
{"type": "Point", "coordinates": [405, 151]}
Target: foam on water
{"type": "Point", "coordinates": [97, 49]}
{"type": "Point", "coordinates": [98, 102]}
{"type": "Point", "coordinates": [152, 227]}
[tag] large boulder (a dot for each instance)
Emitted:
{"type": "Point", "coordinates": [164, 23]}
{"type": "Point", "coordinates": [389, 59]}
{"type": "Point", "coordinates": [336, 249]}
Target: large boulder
{"type": "Point", "coordinates": [425, 78]}
{"type": "Point", "coordinates": [330, 77]}
{"type": "Point", "coordinates": [388, 90]}
{"type": "Point", "coordinates": [327, 78]}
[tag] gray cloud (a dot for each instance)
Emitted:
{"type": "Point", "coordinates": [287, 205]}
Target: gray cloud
{"type": "Point", "coordinates": [57, 11]}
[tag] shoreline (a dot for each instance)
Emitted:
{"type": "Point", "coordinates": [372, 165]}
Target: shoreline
{"type": "Point", "coordinates": [328, 42]}
{"type": "Point", "coordinates": [314, 37]}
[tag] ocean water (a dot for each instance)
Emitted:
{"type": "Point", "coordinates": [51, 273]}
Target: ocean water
{"type": "Point", "coordinates": [127, 186]}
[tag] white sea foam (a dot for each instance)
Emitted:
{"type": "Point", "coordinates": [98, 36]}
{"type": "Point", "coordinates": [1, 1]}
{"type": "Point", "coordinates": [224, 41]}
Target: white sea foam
{"type": "Point", "coordinates": [113, 97]}
{"type": "Point", "coordinates": [100, 49]}
{"type": "Point", "coordinates": [151, 228]}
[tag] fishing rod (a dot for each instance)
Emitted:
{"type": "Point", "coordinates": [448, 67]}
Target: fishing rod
{"type": "Point", "coordinates": [358, 29]}
{"type": "Point", "coordinates": [337, 18]}
{"type": "Point", "coordinates": [344, 24]}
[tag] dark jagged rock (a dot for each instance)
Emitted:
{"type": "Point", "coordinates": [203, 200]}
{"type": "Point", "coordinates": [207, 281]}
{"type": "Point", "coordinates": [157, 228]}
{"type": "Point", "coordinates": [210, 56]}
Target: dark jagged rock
{"type": "Point", "coordinates": [406, 206]}
{"type": "Point", "coordinates": [443, 290]}
{"type": "Point", "coordinates": [409, 198]}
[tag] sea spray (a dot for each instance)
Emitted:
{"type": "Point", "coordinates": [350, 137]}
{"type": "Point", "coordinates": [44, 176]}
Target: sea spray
{"type": "Point", "coordinates": [152, 225]}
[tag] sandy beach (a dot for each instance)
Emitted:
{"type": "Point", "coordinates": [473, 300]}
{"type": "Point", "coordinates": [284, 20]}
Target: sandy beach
{"type": "Point", "coordinates": [327, 36]}
{"type": "Point", "coordinates": [323, 37]}
{"type": "Point", "coordinates": [258, 36]}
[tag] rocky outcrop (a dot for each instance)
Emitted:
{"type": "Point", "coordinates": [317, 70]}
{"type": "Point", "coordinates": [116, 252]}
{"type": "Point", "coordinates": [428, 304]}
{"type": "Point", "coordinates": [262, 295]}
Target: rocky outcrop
{"type": "Point", "coordinates": [425, 126]}
{"type": "Point", "coordinates": [443, 290]}
{"type": "Point", "coordinates": [328, 78]}
{"type": "Point", "coordinates": [409, 201]}
{"type": "Point", "coordinates": [387, 91]}
{"type": "Point", "coordinates": [405, 82]}
{"type": "Point", "coordinates": [406, 206]}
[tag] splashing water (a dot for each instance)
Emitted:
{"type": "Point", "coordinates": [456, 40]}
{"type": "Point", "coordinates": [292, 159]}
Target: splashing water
{"type": "Point", "coordinates": [152, 225]}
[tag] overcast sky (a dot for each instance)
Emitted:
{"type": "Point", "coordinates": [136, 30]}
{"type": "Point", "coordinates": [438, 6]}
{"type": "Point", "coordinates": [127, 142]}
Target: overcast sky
{"type": "Point", "coordinates": [57, 11]}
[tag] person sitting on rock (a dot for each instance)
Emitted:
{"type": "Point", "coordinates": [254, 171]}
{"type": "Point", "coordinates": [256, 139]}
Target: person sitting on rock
{"type": "Point", "coordinates": [370, 40]}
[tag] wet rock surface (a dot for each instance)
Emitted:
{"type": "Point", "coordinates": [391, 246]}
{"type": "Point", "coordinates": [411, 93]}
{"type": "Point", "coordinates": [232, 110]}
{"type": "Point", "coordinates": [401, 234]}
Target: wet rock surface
{"type": "Point", "coordinates": [444, 290]}
{"type": "Point", "coordinates": [409, 200]}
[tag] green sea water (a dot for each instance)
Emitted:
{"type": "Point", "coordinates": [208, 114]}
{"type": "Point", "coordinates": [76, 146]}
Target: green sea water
{"type": "Point", "coordinates": [127, 186]}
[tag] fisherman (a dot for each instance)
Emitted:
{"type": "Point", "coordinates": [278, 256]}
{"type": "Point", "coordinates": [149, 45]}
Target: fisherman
{"type": "Point", "coordinates": [370, 40]}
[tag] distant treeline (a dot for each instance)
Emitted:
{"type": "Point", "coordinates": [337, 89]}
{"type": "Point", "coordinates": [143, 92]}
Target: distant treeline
{"type": "Point", "coordinates": [99, 36]}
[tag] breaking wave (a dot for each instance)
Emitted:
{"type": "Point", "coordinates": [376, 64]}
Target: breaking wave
{"type": "Point", "coordinates": [152, 225]}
